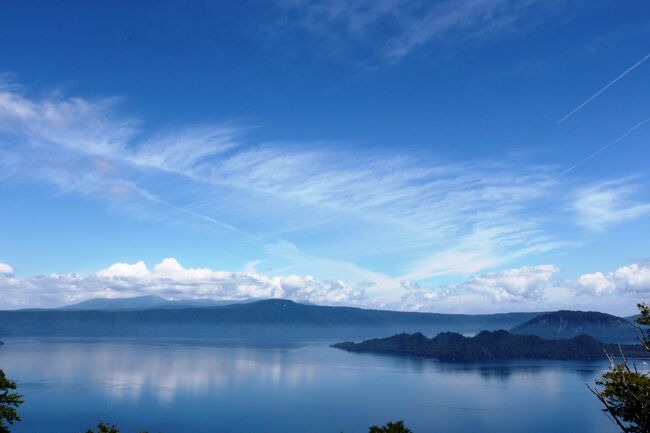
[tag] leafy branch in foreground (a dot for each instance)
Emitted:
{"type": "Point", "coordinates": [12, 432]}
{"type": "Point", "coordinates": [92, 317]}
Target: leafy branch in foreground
{"type": "Point", "coordinates": [106, 428]}
{"type": "Point", "coordinates": [391, 427]}
{"type": "Point", "coordinates": [624, 390]}
{"type": "Point", "coordinates": [9, 402]}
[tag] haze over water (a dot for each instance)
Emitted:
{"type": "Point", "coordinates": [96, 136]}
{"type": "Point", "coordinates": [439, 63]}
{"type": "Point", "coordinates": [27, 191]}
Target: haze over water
{"type": "Point", "coordinates": [175, 386]}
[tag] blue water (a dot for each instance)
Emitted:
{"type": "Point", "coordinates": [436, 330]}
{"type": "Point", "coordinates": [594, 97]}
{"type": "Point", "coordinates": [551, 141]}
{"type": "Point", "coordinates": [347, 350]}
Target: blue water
{"type": "Point", "coordinates": [195, 387]}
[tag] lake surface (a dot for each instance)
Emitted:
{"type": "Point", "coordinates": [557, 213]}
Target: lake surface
{"type": "Point", "coordinates": [200, 386]}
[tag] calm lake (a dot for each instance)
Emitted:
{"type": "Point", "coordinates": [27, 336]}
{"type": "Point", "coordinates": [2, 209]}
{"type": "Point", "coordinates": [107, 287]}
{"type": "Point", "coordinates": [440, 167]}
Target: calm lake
{"type": "Point", "coordinates": [199, 386]}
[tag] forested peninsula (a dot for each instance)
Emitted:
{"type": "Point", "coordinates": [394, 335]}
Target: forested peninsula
{"type": "Point", "coordinates": [491, 345]}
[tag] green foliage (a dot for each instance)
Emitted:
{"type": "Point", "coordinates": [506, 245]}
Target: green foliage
{"type": "Point", "coordinates": [105, 428]}
{"type": "Point", "coordinates": [625, 391]}
{"type": "Point", "coordinates": [391, 427]}
{"type": "Point", "coordinates": [9, 402]}
{"type": "Point", "coordinates": [644, 318]}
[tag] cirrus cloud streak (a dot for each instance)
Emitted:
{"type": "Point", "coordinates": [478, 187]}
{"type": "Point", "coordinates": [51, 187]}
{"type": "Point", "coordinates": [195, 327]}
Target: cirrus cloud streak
{"type": "Point", "coordinates": [422, 215]}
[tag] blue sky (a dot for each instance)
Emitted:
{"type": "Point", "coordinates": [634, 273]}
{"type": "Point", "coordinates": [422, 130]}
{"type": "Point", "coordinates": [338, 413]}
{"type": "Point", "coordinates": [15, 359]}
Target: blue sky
{"type": "Point", "coordinates": [466, 155]}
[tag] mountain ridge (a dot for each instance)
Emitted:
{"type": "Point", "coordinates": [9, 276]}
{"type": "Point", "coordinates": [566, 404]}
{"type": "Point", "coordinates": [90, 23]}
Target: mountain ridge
{"type": "Point", "coordinates": [145, 302]}
{"type": "Point", "coordinates": [156, 317]}
{"type": "Point", "coordinates": [568, 324]}
{"type": "Point", "coordinates": [275, 312]}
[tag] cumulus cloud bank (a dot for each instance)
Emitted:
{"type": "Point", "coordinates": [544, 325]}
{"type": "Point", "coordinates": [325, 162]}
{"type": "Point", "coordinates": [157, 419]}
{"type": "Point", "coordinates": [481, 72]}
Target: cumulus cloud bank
{"type": "Point", "coordinates": [527, 282]}
{"type": "Point", "coordinates": [528, 287]}
{"type": "Point", "coordinates": [172, 280]}
{"type": "Point", "coordinates": [634, 278]}
{"type": "Point", "coordinates": [537, 287]}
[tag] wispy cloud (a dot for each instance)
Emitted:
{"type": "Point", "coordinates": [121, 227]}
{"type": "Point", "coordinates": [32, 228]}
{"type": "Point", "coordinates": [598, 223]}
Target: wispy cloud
{"type": "Point", "coordinates": [395, 29]}
{"type": "Point", "coordinates": [610, 202]}
{"type": "Point", "coordinates": [83, 146]}
{"type": "Point", "coordinates": [424, 215]}
{"type": "Point", "coordinates": [395, 203]}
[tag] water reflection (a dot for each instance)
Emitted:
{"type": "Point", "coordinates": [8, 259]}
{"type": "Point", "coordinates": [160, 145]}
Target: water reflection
{"type": "Point", "coordinates": [126, 369]}
{"type": "Point", "coordinates": [291, 389]}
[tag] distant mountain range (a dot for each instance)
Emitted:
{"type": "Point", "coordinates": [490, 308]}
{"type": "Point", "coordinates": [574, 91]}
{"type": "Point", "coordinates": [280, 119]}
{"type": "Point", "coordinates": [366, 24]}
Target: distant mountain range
{"type": "Point", "coordinates": [156, 316]}
{"type": "Point", "coordinates": [450, 346]}
{"type": "Point", "coordinates": [147, 302]}
{"type": "Point", "coordinates": [567, 324]}
{"type": "Point", "coordinates": [143, 317]}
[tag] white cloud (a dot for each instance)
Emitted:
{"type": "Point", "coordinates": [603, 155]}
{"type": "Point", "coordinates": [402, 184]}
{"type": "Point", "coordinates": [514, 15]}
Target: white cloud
{"type": "Point", "coordinates": [634, 278]}
{"type": "Point", "coordinates": [170, 279]}
{"type": "Point", "coordinates": [528, 288]}
{"type": "Point", "coordinates": [519, 284]}
{"type": "Point", "coordinates": [596, 284]}
{"type": "Point", "coordinates": [125, 270]}
{"type": "Point", "coordinates": [504, 290]}
{"type": "Point", "coordinates": [534, 288]}
{"type": "Point", "coordinates": [417, 298]}
{"type": "Point", "coordinates": [606, 203]}
{"type": "Point", "coordinates": [6, 269]}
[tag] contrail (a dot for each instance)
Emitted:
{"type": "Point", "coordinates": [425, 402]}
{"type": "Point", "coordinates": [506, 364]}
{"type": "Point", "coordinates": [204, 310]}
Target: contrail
{"type": "Point", "coordinates": [155, 199]}
{"type": "Point", "coordinates": [611, 143]}
{"type": "Point", "coordinates": [610, 84]}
